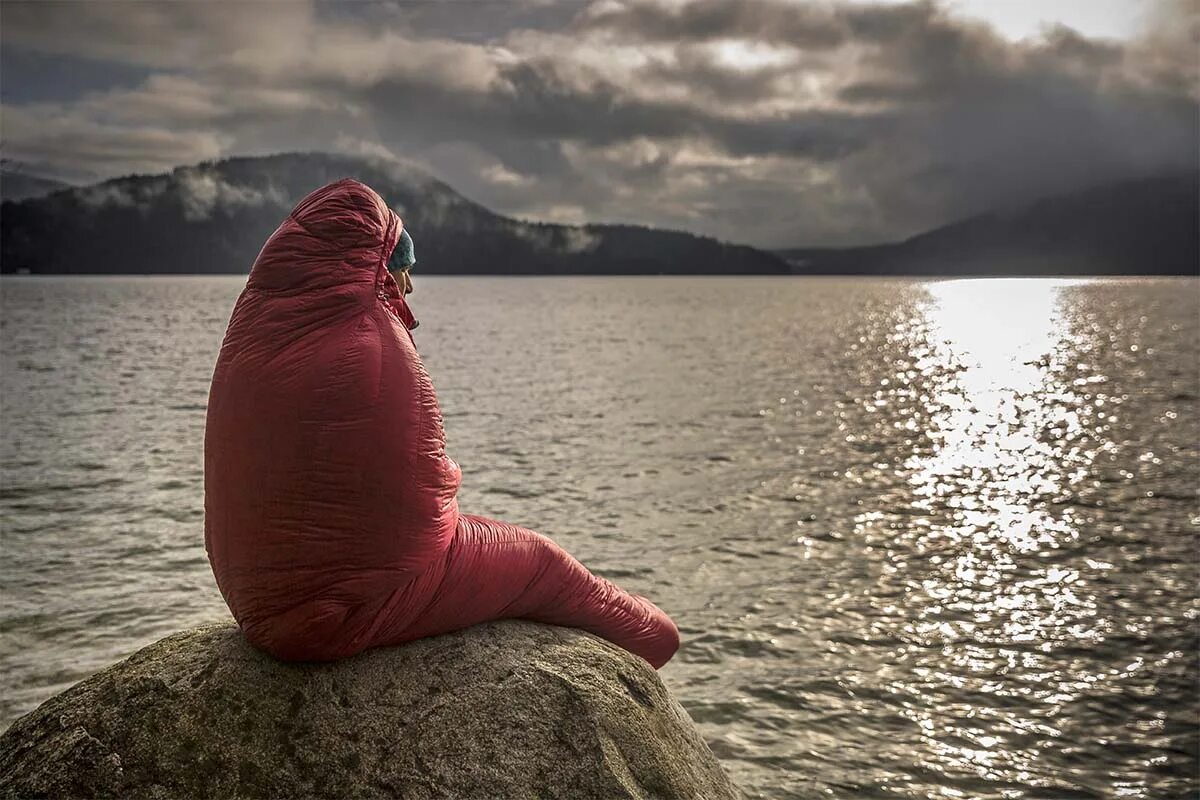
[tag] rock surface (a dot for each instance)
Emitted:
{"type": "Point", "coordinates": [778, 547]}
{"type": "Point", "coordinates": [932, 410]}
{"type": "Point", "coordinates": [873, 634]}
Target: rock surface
{"type": "Point", "coordinates": [508, 709]}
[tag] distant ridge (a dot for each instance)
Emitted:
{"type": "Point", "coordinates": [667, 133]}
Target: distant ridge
{"type": "Point", "coordinates": [18, 183]}
{"type": "Point", "coordinates": [214, 217]}
{"type": "Point", "coordinates": [1149, 226]}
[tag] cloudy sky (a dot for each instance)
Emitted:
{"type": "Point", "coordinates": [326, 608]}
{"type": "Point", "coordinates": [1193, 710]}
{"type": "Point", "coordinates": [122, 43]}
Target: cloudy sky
{"type": "Point", "coordinates": [770, 122]}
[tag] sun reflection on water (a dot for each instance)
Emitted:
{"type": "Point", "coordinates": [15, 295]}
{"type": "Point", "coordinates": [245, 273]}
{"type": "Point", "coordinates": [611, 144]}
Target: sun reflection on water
{"type": "Point", "coordinates": [1002, 427]}
{"type": "Point", "coordinates": [999, 419]}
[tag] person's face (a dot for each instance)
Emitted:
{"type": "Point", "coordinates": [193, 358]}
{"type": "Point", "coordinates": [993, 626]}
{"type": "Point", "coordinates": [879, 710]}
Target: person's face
{"type": "Point", "coordinates": [404, 281]}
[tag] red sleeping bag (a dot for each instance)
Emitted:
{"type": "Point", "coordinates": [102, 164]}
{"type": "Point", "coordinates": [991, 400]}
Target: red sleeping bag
{"type": "Point", "coordinates": [331, 518]}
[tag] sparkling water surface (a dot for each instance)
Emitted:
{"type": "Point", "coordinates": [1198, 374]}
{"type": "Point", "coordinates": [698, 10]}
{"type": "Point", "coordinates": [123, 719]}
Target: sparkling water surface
{"type": "Point", "coordinates": [922, 539]}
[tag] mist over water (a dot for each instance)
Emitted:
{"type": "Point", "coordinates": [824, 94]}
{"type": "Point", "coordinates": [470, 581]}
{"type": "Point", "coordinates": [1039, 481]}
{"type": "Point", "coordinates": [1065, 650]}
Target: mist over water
{"type": "Point", "coordinates": [922, 539]}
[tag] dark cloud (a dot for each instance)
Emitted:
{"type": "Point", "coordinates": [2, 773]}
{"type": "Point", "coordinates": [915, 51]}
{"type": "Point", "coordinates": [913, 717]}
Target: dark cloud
{"type": "Point", "coordinates": [32, 76]}
{"type": "Point", "coordinates": [801, 25]}
{"type": "Point", "coordinates": [699, 72]}
{"type": "Point", "coordinates": [768, 121]}
{"type": "Point", "coordinates": [798, 25]}
{"type": "Point", "coordinates": [462, 20]}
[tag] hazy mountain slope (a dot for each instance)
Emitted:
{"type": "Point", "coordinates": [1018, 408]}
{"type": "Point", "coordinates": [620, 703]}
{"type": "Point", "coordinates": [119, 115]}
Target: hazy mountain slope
{"type": "Point", "coordinates": [18, 185]}
{"type": "Point", "coordinates": [214, 217]}
{"type": "Point", "coordinates": [1141, 227]}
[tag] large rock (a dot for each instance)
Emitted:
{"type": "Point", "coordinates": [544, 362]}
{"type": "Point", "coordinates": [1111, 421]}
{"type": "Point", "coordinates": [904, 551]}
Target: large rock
{"type": "Point", "coordinates": [508, 709]}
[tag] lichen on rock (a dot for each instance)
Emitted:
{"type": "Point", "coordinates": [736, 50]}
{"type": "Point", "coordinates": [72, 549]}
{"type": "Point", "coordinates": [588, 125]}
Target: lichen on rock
{"type": "Point", "coordinates": [508, 709]}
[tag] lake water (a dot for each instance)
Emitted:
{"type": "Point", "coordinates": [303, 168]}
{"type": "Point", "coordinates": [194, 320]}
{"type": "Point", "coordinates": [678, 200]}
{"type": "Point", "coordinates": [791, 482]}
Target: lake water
{"type": "Point", "coordinates": [922, 539]}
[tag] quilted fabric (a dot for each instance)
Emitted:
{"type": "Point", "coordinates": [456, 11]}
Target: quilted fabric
{"type": "Point", "coordinates": [331, 515]}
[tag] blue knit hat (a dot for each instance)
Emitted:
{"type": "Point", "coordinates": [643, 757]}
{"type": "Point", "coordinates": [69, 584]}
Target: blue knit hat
{"type": "Point", "coordinates": [403, 256]}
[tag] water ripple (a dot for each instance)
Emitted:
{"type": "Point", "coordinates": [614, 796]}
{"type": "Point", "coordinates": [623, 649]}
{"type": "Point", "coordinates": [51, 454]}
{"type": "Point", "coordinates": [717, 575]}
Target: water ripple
{"type": "Point", "coordinates": [921, 539]}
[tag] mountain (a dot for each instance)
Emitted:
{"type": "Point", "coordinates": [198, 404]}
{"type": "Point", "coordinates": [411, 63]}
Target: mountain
{"type": "Point", "coordinates": [17, 183]}
{"type": "Point", "coordinates": [214, 217]}
{"type": "Point", "coordinates": [1139, 227]}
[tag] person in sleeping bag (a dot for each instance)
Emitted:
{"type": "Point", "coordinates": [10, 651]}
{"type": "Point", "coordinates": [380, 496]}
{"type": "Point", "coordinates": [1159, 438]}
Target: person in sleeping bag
{"type": "Point", "coordinates": [331, 518]}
